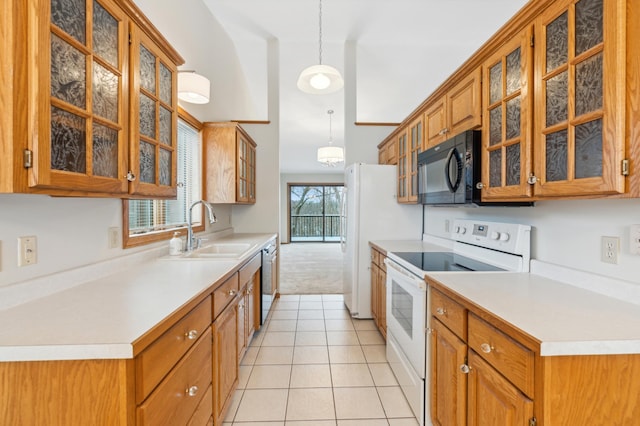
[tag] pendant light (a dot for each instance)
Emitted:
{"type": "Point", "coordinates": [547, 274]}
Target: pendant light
{"type": "Point", "coordinates": [320, 79]}
{"type": "Point", "coordinates": [330, 155]}
{"type": "Point", "coordinates": [193, 88]}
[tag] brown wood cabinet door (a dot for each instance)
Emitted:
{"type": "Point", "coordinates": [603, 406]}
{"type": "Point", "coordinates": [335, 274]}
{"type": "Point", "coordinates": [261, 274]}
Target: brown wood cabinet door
{"type": "Point", "coordinates": [448, 382]}
{"type": "Point", "coordinates": [404, 167]}
{"type": "Point", "coordinates": [225, 359]}
{"type": "Point", "coordinates": [507, 155]}
{"type": "Point", "coordinates": [77, 112]}
{"type": "Point", "coordinates": [492, 399]}
{"type": "Point", "coordinates": [580, 98]}
{"type": "Point", "coordinates": [416, 141]}
{"type": "Point", "coordinates": [374, 291]}
{"type": "Point", "coordinates": [242, 324]}
{"type": "Point", "coordinates": [382, 301]}
{"type": "Point", "coordinates": [464, 108]}
{"type": "Point", "coordinates": [435, 123]}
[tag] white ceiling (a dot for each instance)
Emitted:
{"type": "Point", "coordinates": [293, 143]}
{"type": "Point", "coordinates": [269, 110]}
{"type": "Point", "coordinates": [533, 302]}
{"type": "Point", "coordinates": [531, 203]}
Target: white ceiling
{"type": "Point", "coordinates": [404, 50]}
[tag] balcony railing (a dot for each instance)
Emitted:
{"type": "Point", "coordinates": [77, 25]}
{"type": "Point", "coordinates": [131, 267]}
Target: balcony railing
{"type": "Point", "coordinates": [315, 228]}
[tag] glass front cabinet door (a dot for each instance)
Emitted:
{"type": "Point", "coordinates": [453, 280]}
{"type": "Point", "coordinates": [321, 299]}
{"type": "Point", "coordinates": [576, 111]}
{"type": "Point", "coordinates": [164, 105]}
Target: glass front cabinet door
{"type": "Point", "coordinates": [580, 91]}
{"type": "Point", "coordinates": [77, 103]}
{"type": "Point", "coordinates": [506, 142]}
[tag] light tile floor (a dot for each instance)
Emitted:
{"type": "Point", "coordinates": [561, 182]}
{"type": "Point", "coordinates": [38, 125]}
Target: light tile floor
{"type": "Point", "coordinates": [311, 364]}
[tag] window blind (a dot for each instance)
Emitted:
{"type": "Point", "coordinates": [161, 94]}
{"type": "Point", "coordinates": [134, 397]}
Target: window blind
{"type": "Point", "coordinates": [160, 215]}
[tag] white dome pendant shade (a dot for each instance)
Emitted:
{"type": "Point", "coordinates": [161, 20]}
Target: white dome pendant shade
{"type": "Point", "coordinates": [320, 79]}
{"type": "Point", "coordinates": [193, 88]}
{"type": "Point", "coordinates": [330, 155]}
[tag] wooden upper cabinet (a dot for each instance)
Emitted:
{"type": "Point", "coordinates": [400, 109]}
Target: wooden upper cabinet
{"type": "Point", "coordinates": [154, 118]}
{"type": "Point", "coordinates": [454, 112]}
{"type": "Point", "coordinates": [404, 166]}
{"type": "Point", "coordinates": [416, 141]}
{"type": "Point", "coordinates": [580, 90]}
{"type": "Point", "coordinates": [75, 109]}
{"type": "Point", "coordinates": [388, 152]}
{"type": "Point", "coordinates": [507, 120]}
{"type": "Point", "coordinates": [230, 164]}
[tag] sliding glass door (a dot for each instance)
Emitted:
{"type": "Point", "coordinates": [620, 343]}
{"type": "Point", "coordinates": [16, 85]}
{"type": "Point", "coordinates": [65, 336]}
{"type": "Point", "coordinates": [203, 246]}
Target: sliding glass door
{"type": "Point", "coordinates": [314, 212]}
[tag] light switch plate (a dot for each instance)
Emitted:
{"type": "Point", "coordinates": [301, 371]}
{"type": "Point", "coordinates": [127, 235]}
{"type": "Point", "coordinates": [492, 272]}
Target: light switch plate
{"type": "Point", "coordinates": [27, 251]}
{"type": "Point", "coordinates": [634, 239]}
{"type": "Point", "coordinates": [114, 237]}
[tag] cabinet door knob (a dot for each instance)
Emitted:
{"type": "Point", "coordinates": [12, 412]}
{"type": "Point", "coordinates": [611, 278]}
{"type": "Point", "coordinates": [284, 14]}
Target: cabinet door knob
{"type": "Point", "coordinates": [532, 180]}
{"type": "Point", "coordinates": [479, 185]}
{"type": "Point", "coordinates": [191, 334]}
{"type": "Point", "coordinates": [441, 311]}
{"type": "Point", "coordinates": [232, 292]}
{"type": "Point", "coordinates": [130, 176]}
{"type": "Point", "coordinates": [486, 348]}
{"type": "Point", "coordinates": [465, 368]}
{"type": "Point", "coordinates": [192, 391]}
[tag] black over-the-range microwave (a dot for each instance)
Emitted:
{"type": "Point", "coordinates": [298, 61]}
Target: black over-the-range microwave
{"type": "Point", "coordinates": [449, 172]}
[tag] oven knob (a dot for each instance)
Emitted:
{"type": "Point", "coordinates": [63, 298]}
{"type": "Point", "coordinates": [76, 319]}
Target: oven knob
{"type": "Point", "coordinates": [504, 236]}
{"type": "Point", "coordinates": [495, 235]}
{"type": "Point", "coordinates": [461, 230]}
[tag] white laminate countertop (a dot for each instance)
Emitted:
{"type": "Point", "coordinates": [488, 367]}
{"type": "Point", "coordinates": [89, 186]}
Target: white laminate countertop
{"type": "Point", "coordinates": [565, 319]}
{"type": "Point", "coordinates": [101, 319]}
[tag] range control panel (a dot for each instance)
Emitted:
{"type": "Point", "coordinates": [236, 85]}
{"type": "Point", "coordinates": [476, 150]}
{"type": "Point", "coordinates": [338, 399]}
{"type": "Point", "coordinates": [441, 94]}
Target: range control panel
{"type": "Point", "coordinates": [506, 237]}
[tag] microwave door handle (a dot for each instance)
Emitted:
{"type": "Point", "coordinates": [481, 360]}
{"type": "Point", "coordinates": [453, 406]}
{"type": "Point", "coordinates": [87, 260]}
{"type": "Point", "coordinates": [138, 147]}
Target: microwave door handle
{"type": "Point", "coordinates": [453, 155]}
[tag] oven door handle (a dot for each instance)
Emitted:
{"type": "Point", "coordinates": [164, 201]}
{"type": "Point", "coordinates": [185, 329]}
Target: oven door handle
{"type": "Point", "coordinates": [420, 283]}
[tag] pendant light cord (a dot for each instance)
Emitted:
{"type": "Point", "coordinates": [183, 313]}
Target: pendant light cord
{"type": "Point", "coordinates": [320, 31]}
{"type": "Point", "coordinates": [330, 112]}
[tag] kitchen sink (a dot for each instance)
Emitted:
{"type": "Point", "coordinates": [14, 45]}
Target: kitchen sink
{"type": "Point", "coordinates": [220, 250]}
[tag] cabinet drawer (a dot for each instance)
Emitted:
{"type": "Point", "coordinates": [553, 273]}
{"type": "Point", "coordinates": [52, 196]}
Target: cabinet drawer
{"type": "Point", "coordinates": [225, 294]}
{"type": "Point", "coordinates": [450, 313]}
{"type": "Point", "coordinates": [510, 358]}
{"type": "Point", "coordinates": [250, 268]}
{"type": "Point", "coordinates": [159, 358]}
{"type": "Point", "coordinates": [203, 413]}
{"type": "Point", "coordinates": [178, 396]}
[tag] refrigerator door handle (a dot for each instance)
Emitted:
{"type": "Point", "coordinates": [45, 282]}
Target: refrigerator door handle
{"type": "Point", "coordinates": [343, 221]}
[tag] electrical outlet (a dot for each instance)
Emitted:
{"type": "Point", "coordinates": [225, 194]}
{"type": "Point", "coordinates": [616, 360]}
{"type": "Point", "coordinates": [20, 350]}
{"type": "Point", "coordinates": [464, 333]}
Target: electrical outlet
{"type": "Point", "coordinates": [609, 249]}
{"type": "Point", "coordinates": [634, 239]}
{"type": "Point", "coordinates": [27, 251]}
{"type": "Point", "coordinates": [447, 226]}
{"type": "Point", "coordinates": [114, 237]}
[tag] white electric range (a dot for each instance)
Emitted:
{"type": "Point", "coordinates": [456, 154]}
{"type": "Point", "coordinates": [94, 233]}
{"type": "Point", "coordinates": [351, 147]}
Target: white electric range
{"type": "Point", "coordinates": [478, 246]}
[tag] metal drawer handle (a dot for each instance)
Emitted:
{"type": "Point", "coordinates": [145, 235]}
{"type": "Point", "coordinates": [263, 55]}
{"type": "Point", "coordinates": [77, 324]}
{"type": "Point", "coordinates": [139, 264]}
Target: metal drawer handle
{"type": "Point", "coordinates": [441, 311]}
{"type": "Point", "coordinates": [232, 292]}
{"type": "Point", "coordinates": [465, 368]}
{"type": "Point", "coordinates": [486, 348]}
{"type": "Point", "coordinates": [192, 391]}
{"type": "Point", "coordinates": [191, 334]}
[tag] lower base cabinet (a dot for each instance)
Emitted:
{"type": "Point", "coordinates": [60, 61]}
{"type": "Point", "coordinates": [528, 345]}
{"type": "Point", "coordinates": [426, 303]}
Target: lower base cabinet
{"type": "Point", "coordinates": [225, 359]}
{"type": "Point", "coordinates": [486, 373]}
{"type": "Point", "coordinates": [379, 290]}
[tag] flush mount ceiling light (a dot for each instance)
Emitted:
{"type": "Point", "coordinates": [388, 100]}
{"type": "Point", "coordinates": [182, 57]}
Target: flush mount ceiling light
{"type": "Point", "coordinates": [330, 155]}
{"type": "Point", "coordinates": [193, 88]}
{"type": "Point", "coordinates": [320, 79]}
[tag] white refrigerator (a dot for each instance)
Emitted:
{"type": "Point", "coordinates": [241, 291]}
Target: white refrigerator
{"type": "Point", "coordinates": [370, 211]}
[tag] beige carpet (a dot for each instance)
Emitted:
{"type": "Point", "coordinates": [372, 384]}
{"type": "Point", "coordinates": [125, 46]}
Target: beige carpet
{"type": "Point", "coordinates": [310, 268]}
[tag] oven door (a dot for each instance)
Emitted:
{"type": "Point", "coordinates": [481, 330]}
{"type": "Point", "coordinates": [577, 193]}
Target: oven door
{"type": "Point", "coordinates": [407, 314]}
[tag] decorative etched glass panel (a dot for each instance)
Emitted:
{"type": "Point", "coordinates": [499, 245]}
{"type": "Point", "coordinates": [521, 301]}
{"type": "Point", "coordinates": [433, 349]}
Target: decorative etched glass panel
{"type": "Point", "coordinates": [147, 162]}
{"type": "Point", "coordinates": [147, 70]}
{"type": "Point", "coordinates": [557, 42]}
{"type": "Point", "coordinates": [68, 73]}
{"type": "Point", "coordinates": [589, 88]}
{"type": "Point", "coordinates": [495, 83]}
{"type": "Point", "coordinates": [589, 149]}
{"type": "Point", "coordinates": [165, 84]}
{"type": "Point", "coordinates": [70, 16]}
{"type": "Point", "coordinates": [105, 93]}
{"type": "Point", "coordinates": [105, 34]}
{"type": "Point", "coordinates": [495, 168]}
{"type": "Point", "coordinates": [513, 118]}
{"type": "Point", "coordinates": [513, 164]}
{"type": "Point", "coordinates": [557, 98]}
{"type": "Point", "coordinates": [589, 16]}
{"type": "Point", "coordinates": [495, 126]}
{"type": "Point", "coordinates": [147, 116]}
{"type": "Point", "coordinates": [68, 141]}
{"type": "Point", "coordinates": [556, 156]}
{"type": "Point", "coordinates": [105, 151]}
{"type": "Point", "coordinates": [165, 167]}
{"type": "Point", "coordinates": [165, 126]}
{"type": "Point", "coordinates": [513, 71]}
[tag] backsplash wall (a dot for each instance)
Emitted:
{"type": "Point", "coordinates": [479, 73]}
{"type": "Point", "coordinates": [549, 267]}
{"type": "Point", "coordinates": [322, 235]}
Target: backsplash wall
{"type": "Point", "coordinates": [566, 233]}
{"type": "Point", "coordinates": [71, 232]}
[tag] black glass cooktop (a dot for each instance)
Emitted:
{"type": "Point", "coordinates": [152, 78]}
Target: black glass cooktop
{"type": "Point", "coordinates": [444, 261]}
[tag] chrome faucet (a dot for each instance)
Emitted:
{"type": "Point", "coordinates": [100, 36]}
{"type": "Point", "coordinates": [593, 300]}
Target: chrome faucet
{"type": "Point", "coordinates": [212, 219]}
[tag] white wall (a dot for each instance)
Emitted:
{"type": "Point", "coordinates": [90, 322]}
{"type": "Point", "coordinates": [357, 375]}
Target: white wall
{"type": "Point", "coordinates": [565, 233]}
{"type": "Point", "coordinates": [286, 179]}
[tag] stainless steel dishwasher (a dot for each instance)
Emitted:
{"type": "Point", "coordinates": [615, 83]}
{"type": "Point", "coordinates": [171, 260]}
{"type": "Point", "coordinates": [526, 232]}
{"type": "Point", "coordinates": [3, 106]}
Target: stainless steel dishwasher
{"type": "Point", "coordinates": [269, 279]}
